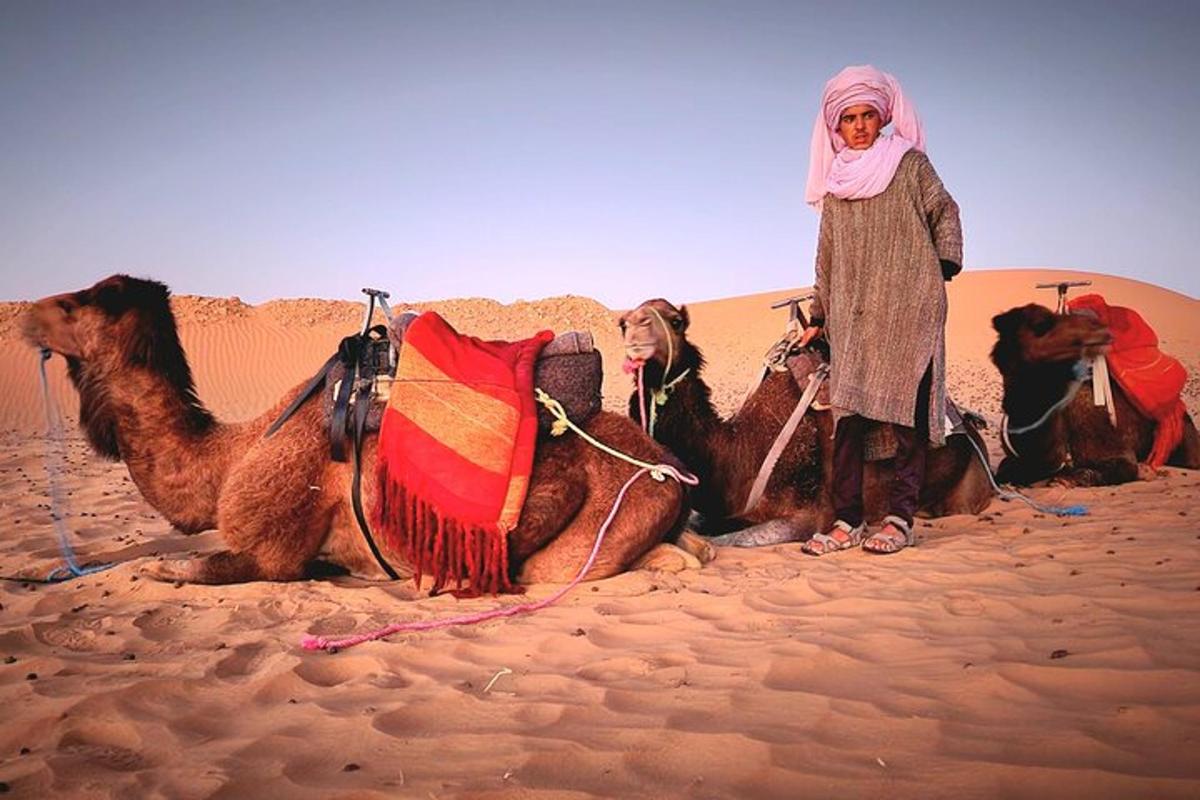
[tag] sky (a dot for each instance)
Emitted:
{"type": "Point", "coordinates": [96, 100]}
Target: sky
{"type": "Point", "coordinates": [616, 150]}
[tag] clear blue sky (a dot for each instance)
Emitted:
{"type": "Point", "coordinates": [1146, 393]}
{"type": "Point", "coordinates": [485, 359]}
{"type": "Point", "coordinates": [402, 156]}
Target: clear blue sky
{"type": "Point", "coordinates": [617, 150]}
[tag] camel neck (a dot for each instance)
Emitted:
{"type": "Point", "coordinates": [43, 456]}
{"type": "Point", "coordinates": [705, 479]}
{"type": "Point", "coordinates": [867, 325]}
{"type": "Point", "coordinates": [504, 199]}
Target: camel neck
{"type": "Point", "coordinates": [1031, 391]}
{"type": "Point", "coordinates": [709, 445]}
{"type": "Point", "coordinates": [1029, 396]}
{"type": "Point", "coordinates": [177, 454]}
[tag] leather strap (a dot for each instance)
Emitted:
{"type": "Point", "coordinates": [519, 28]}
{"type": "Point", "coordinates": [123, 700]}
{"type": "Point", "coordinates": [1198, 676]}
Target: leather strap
{"type": "Point", "coordinates": [785, 436]}
{"type": "Point", "coordinates": [362, 408]}
{"type": "Point", "coordinates": [314, 383]}
{"type": "Point", "coordinates": [349, 351]}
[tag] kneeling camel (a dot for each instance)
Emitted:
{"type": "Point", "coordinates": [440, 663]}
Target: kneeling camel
{"type": "Point", "coordinates": [1052, 427]}
{"type": "Point", "coordinates": [281, 502]}
{"type": "Point", "coordinates": [726, 454]}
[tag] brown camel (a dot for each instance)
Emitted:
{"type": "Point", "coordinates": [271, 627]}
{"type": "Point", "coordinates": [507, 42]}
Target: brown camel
{"type": "Point", "coordinates": [726, 454]}
{"type": "Point", "coordinates": [1037, 353]}
{"type": "Point", "coordinates": [281, 502]}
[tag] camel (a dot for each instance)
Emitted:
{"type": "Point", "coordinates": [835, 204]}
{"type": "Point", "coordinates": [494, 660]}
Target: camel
{"type": "Point", "coordinates": [726, 454]}
{"type": "Point", "coordinates": [1038, 354]}
{"type": "Point", "coordinates": [281, 503]}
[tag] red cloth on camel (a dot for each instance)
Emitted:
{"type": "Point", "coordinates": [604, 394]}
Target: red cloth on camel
{"type": "Point", "coordinates": [455, 453]}
{"type": "Point", "coordinates": [1151, 379]}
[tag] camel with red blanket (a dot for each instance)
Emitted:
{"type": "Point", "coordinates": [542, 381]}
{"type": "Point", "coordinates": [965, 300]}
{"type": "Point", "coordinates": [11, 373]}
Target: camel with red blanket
{"type": "Point", "coordinates": [1053, 428]}
{"type": "Point", "coordinates": [281, 502]}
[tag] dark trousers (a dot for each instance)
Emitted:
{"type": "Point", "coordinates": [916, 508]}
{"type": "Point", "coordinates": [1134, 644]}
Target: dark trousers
{"type": "Point", "coordinates": [911, 445]}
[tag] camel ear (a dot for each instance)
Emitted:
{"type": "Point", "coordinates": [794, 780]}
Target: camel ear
{"type": "Point", "coordinates": [1006, 324]}
{"type": "Point", "coordinates": [1043, 321]}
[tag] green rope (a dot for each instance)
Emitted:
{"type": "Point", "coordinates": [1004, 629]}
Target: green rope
{"type": "Point", "coordinates": [562, 423]}
{"type": "Point", "coordinates": [660, 397]}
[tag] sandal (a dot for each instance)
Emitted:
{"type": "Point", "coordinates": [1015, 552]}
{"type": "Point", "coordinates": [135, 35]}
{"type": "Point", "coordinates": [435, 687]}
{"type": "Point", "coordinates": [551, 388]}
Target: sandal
{"type": "Point", "coordinates": [842, 536]}
{"type": "Point", "coordinates": [895, 535]}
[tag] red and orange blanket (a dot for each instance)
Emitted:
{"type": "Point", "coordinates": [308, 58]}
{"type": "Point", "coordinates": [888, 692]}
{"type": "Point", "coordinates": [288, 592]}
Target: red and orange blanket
{"type": "Point", "coordinates": [456, 452]}
{"type": "Point", "coordinates": [1151, 379]}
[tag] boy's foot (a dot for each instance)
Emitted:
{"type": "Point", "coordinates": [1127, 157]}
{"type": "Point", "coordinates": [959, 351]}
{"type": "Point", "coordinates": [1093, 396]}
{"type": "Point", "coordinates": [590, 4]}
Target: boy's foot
{"type": "Point", "coordinates": [842, 536]}
{"type": "Point", "coordinates": [894, 536]}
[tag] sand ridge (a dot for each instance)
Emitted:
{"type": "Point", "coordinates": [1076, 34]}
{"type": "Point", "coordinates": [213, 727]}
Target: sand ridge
{"type": "Point", "coordinates": [1010, 654]}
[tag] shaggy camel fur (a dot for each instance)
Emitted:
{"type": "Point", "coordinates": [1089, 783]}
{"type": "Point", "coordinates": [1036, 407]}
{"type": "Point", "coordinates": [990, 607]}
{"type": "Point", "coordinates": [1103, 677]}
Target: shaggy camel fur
{"type": "Point", "coordinates": [281, 502]}
{"type": "Point", "coordinates": [1036, 352]}
{"type": "Point", "coordinates": [726, 454]}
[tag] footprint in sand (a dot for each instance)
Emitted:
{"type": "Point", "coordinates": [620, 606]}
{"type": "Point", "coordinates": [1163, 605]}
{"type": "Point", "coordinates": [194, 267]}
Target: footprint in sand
{"type": "Point", "coordinates": [77, 635]}
{"type": "Point", "coordinates": [615, 669]}
{"type": "Point", "coordinates": [241, 662]}
{"type": "Point", "coordinates": [158, 625]}
{"type": "Point", "coordinates": [99, 746]}
{"type": "Point", "coordinates": [321, 670]}
{"type": "Point", "coordinates": [963, 605]}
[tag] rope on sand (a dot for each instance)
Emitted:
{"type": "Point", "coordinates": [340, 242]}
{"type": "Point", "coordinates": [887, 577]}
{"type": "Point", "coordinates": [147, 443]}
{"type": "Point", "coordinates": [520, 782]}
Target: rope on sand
{"type": "Point", "coordinates": [55, 468]}
{"type": "Point", "coordinates": [1012, 494]}
{"type": "Point", "coordinates": [658, 471]}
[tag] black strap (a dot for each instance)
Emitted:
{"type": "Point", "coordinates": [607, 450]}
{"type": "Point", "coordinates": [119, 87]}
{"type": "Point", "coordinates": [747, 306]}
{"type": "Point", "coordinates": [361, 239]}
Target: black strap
{"type": "Point", "coordinates": [362, 407]}
{"type": "Point", "coordinates": [348, 351]}
{"type": "Point", "coordinates": [314, 383]}
{"type": "Point", "coordinates": [358, 379]}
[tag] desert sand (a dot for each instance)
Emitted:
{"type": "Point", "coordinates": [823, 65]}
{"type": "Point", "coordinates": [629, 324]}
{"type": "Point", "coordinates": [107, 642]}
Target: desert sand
{"type": "Point", "coordinates": [1012, 654]}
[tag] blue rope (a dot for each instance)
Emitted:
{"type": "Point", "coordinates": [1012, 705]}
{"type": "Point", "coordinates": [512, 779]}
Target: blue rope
{"type": "Point", "coordinates": [55, 468]}
{"type": "Point", "coordinates": [1012, 494]}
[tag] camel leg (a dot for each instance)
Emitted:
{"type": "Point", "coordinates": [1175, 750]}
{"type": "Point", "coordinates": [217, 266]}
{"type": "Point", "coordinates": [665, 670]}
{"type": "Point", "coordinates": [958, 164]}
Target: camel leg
{"type": "Point", "coordinates": [775, 531]}
{"type": "Point", "coordinates": [1187, 454]}
{"type": "Point", "coordinates": [1109, 472]}
{"type": "Point", "coordinates": [666, 557]}
{"type": "Point", "coordinates": [557, 489]}
{"type": "Point", "coordinates": [270, 513]}
{"type": "Point", "coordinates": [970, 491]}
{"type": "Point", "coordinates": [698, 546]}
{"type": "Point", "coordinates": [648, 512]}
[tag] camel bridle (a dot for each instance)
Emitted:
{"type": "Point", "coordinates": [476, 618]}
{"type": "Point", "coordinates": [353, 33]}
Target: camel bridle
{"type": "Point", "coordinates": [661, 395]}
{"type": "Point", "coordinates": [1079, 371]}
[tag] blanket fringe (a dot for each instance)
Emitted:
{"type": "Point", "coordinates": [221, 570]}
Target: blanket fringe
{"type": "Point", "coordinates": [473, 558]}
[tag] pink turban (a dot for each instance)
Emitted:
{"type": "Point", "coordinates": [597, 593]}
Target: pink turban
{"type": "Point", "coordinates": [856, 174]}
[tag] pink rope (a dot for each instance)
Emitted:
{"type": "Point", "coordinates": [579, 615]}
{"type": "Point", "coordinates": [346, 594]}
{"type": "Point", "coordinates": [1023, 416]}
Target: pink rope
{"type": "Point", "coordinates": [635, 366]}
{"type": "Point", "coordinates": [311, 642]}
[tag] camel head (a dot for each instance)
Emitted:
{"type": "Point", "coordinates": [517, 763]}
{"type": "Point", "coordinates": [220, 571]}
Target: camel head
{"type": "Point", "coordinates": [1033, 335]}
{"type": "Point", "coordinates": [654, 334]}
{"type": "Point", "coordinates": [118, 324]}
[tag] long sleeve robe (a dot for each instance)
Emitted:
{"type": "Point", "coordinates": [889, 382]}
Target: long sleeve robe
{"type": "Point", "coordinates": [880, 289]}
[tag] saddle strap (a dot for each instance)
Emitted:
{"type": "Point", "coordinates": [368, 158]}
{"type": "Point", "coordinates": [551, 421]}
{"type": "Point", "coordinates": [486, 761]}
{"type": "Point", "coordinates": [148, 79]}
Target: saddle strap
{"type": "Point", "coordinates": [362, 408]}
{"type": "Point", "coordinates": [354, 352]}
{"type": "Point", "coordinates": [785, 436]}
{"type": "Point", "coordinates": [314, 383]}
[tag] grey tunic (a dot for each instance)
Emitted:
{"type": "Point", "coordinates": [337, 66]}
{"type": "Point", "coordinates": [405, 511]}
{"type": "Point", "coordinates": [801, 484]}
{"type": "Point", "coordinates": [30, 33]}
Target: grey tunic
{"type": "Point", "coordinates": [880, 289]}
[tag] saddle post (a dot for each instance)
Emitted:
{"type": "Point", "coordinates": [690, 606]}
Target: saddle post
{"type": "Point", "coordinates": [797, 322]}
{"type": "Point", "coordinates": [1062, 288]}
{"type": "Point", "coordinates": [382, 297]}
{"type": "Point", "coordinates": [372, 296]}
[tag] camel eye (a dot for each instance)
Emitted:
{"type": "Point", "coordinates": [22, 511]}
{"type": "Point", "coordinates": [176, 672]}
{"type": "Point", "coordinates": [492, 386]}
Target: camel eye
{"type": "Point", "coordinates": [621, 325]}
{"type": "Point", "coordinates": [65, 306]}
{"type": "Point", "coordinates": [677, 323]}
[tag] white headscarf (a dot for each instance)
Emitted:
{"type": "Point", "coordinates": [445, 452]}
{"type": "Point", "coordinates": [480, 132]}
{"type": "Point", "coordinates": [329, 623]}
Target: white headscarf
{"type": "Point", "coordinates": [850, 174]}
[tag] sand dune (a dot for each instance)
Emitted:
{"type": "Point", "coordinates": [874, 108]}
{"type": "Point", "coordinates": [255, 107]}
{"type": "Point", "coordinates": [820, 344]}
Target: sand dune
{"type": "Point", "coordinates": [1009, 655]}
